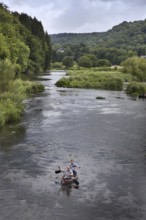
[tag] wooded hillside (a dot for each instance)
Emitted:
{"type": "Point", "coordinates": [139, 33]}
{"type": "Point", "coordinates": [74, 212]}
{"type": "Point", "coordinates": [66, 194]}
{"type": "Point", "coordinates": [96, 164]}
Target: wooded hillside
{"type": "Point", "coordinates": [127, 35]}
{"type": "Point", "coordinates": [116, 45]}
{"type": "Point", "coordinates": [23, 42]}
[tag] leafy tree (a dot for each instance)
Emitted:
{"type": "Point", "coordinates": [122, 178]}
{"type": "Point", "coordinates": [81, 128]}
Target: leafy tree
{"type": "Point", "coordinates": [7, 73]}
{"type": "Point", "coordinates": [19, 54]}
{"type": "Point", "coordinates": [84, 61]}
{"type": "Point", "coordinates": [93, 59]}
{"type": "Point", "coordinates": [135, 88]}
{"type": "Point", "coordinates": [68, 52]}
{"type": "Point", "coordinates": [68, 61]}
{"type": "Point", "coordinates": [103, 62]}
{"type": "Point", "coordinates": [60, 56]}
{"type": "Point", "coordinates": [136, 66]}
{"type": "Point", "coordinates": [4, 50]}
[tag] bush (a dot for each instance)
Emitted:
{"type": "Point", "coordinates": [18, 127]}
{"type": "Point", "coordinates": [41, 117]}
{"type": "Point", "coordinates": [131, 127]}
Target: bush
{"type": "Point", "coordinates": [85, 61]}
{"type": "Point", "coordinates": [56, 65]}
{"type": "Point", "coordinates": [63, 82]}
{"type": "Point", "coordinates": [94, 80]}
{"type": "Point", "coordinates": [103, 62]}
{"type": "Point", "coordinates": [136, 88]}
{"type": "Point", "coordinates": [11, 102]}
{"type": "Point", "coordinates": [67, 61]}
{"type": "Point", "coordinates": [7, 73]}
{"type": "Point", "coordinates": [2, 117]}
{"type": "Point", "coordinates": [114, 84]}
{"type": "Point", "coordinates": [13, 113]}
{"type": "Point", "coordinates": [136, 66]}
{"type": "Point", "coordinates": [10, 112]}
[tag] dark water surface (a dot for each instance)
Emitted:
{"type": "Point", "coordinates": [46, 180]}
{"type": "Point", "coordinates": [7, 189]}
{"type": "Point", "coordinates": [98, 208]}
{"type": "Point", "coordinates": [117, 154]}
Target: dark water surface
{"type": "Point", "coordinates": [106, 137]}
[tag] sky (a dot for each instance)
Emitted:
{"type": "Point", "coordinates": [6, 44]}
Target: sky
{"type": "Point", "coordinates": [80, 16]}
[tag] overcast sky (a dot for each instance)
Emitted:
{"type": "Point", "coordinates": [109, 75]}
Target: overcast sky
{"type": "Point", "coordinates": [80, 16]}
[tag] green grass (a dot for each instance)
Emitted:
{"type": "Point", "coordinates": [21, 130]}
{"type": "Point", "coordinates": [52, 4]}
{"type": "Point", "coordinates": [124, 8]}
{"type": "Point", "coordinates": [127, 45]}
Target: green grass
{"type": "Point", "coordinates": [95, 78]}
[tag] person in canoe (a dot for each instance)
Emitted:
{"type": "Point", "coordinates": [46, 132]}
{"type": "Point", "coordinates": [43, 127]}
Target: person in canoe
{"type": "Point", "coordinates": [68, 176]}
{"type": "Point", "coordinates": [72, 165]}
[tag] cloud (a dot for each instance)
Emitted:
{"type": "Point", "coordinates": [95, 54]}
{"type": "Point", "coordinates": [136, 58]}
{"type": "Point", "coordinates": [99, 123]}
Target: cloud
{"type": "Point", "coordinates": [80, 15]}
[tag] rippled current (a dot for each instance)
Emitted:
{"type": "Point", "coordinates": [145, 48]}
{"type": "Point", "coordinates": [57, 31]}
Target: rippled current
{"type": "Point", "coordinates": [106, 137]}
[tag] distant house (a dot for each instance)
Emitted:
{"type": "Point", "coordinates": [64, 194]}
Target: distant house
{"type": "Point", "coordinates": [61, 50]}
{"type": "Point", "coordinates": [143, 56]}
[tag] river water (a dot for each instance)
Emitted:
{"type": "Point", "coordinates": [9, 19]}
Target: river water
{"type": "Point", "coordinates": [106, 137]}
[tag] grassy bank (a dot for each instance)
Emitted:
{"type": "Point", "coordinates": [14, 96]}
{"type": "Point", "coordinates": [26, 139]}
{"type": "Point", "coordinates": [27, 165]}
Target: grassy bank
{"type": "Point", "coordinates": [11, 100]}
{"type": "Point", "coordinates": [95, 79]}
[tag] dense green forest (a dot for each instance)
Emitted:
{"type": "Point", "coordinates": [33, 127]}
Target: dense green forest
{"type": "Point", "coordinates": [25, 49]}
{"type": "Point", "coordinates": [106, 48]}
{"type": "Point", "coordinates": [24, 42]}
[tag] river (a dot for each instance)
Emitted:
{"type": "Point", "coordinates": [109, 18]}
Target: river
{"type": "Point", "coordinates": [106, 137]}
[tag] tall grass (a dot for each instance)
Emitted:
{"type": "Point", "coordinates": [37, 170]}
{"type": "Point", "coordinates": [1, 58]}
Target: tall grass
{"type": "Point", "coordinates": [109, 80]}
{"type": "Point", "coordinates": [11, 101]}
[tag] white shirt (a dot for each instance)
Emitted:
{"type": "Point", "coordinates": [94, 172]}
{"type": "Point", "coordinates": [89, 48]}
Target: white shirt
{"type": "Point", "coordinates": [67, 174]}
{"type": "Point", "coordinates": [73, 165]}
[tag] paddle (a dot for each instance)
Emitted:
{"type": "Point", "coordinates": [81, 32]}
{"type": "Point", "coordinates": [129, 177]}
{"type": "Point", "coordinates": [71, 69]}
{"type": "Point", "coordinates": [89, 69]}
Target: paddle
{"type": "Point", "coordinates": [58, 171]}
{"type": "Point", "coordinates": [74, 180]}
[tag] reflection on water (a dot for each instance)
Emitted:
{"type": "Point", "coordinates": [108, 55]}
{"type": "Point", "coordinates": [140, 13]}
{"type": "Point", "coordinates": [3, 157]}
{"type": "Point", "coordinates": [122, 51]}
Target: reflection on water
{"type": "Point", "coordinates": [67, 190]}
{"type": "Point", "coordinates": [11, 135]}
{"type": "Point", "coordinates": [106, 137]}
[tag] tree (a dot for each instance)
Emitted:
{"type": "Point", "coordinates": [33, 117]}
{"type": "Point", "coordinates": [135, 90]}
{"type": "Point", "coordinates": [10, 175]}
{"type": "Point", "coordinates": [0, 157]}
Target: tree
{"type": "Point", "coordinates": [19, 54]}
{"type": "Point", "coordinates": [84, 61]}
{"type": "Point", "coordinates": [103, 62]}
{"type": "Point", "coordinates": [68, 61]}
{"type": "Point", "coordinates": [7, 73]}
{"type": "Point", "coordinates": [93, 59]}
{"type": "Point", "coordinates": [4, 50]}
{"type": "Point", "coordinates": [136, 66]}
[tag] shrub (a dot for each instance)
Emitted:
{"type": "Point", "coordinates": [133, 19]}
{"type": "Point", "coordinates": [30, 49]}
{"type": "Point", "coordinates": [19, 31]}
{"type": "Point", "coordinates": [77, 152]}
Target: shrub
{"type": "Point", "coordinates": [136, 88]}
{"type": "Point", "coordinates": [136, 66]}
{"type": "Point", "coordinates": [114, 84]}
{"type": "Point", "coordinates": [67, 61]}
{"type": "Point", "coordinates": [2, 116]}
{"type": "Point", "coordinates": [91, 79]}
{"type": "Point", "coordinates": [56, 65]}
{"type": "Point", "coordinates": [11, 102]}
{"type": "Point", "coordinates": [7, 73]}
{"type": "Point", "coordinates": [63, 82]}
{"type": "Point", "coordinates": [13, 113]}
{"type": "Point", "coordinates": [85, 61]}
{"type": "Point", "coordinates": [103, 62]}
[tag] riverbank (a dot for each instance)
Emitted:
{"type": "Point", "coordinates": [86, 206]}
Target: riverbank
{"type": "Point", "coordinates": [11, 101]}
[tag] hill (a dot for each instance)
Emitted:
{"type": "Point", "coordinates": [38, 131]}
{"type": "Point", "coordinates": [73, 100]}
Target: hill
{"type": "Point", "coordinates": [127, 35]}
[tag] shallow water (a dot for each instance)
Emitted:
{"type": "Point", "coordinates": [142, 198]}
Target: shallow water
{"type": "Point", "coordinates": [106, 137]}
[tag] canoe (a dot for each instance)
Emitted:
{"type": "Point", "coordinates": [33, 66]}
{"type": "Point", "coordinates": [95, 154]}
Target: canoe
{"type": "Point", "coordinates": [66, 182]}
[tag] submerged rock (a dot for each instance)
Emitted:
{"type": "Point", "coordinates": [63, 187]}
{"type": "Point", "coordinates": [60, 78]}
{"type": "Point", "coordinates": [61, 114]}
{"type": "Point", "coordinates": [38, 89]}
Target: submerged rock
{"type": "Point", "coordinates": [100, 97]}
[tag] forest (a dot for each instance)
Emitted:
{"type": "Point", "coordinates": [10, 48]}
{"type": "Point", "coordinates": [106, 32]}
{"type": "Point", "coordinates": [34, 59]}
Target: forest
{"type": "Point", "coordinates": [25, 50]}
{"type": "Point", "coordinates": [105, 48]}
{"type": "Point", "coordinates": [24, 42]}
